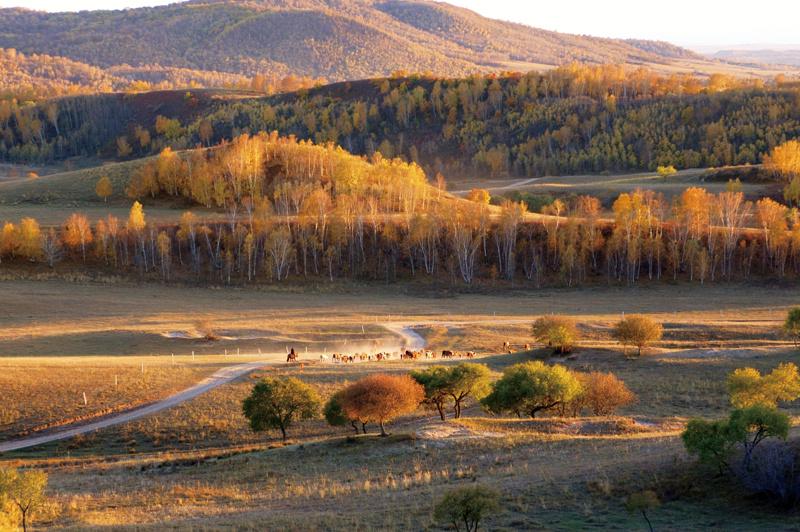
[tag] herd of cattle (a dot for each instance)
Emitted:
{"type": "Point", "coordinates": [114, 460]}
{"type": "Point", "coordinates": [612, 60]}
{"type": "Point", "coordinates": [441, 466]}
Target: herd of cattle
{"type": "Point", "coordinates": [338, 358]}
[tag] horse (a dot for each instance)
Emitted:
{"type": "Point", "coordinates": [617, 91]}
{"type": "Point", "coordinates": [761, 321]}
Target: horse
{"type": "Point", "coordinates": [291, 356]}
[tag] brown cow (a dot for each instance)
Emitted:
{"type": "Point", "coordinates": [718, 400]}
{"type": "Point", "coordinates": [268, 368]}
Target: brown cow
{"type": "Point", "coordinates": [447, 354]}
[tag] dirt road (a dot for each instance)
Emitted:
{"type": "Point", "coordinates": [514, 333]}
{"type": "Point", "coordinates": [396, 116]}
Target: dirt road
{"type": "Point", "coordinates": [411, 340]}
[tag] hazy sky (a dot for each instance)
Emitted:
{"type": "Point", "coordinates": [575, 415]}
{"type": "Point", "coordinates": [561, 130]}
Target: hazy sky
{"type": "Point", "coordinates": [685, 22]}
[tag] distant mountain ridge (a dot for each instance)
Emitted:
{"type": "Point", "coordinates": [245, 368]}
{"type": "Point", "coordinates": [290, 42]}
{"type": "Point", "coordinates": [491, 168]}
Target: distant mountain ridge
{"type": "Point", "coordinates": [335, 39]}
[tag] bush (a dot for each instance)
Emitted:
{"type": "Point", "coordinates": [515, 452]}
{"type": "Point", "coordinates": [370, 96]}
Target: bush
{"type": "Point", "coordinates": [604, 393]}
{"type": "Point", "coordinates": [791, 327]}
{"type": "Point", "coordinates": [532, 387]}
{"type": "Point", "coordinates": [713, 441]}
{"type": "Point", "coordinates": [381, 398]}
{"type": "Point", "coordinates": [465, 507]}
{"type": "Point", "coordinates": [638, 331]}
{"type": "Point", "coordinates": [277, 403]}
{"type": "Point", "coordinates": [558, 332]}
{"type": "Point", "coordinates": [747, 387]}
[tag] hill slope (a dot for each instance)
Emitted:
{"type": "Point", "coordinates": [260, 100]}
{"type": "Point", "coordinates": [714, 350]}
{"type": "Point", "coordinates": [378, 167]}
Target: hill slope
{"type": "Point", "coordinates": [336, 39]}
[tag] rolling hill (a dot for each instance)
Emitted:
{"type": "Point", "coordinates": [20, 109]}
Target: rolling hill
{"type": "Point", "coordinates": [335, 39]}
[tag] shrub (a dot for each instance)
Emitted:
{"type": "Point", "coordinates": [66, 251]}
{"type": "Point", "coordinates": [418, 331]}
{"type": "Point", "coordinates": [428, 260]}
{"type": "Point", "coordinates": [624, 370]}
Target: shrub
{"type": "Point", "coordinates": [465, 507]}
{"type": "Point", "coordinates": [277, 403]}
{"type": "Point", "coordinates": [604, 393]}
{"type": "Point", "coordinates": [713, 441]}
{"type": "Point", "coordinates": [532, 387]}
{"type": "Point", "coordinates": [382, 398]}
{"type": "Point", "coordinates": [747, 387]}
{"type": "Point", "coordinates": [791, 327]}
{"type": "Point", "coordinates": [638, 331]}
{"type": "Point", "coordinates": [558, 332]}
{"type": "Point", "coordinates": [642, 502]}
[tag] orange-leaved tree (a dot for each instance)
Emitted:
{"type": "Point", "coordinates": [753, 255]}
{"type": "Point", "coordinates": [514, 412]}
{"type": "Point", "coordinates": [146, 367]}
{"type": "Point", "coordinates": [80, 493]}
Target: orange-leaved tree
{"type": "Point", "coordinates": [381, 398]}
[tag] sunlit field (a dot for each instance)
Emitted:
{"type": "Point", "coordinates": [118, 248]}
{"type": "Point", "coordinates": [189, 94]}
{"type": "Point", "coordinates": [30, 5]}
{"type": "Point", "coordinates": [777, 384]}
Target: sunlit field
{"type": "Point", "coordinates": [198, 464]}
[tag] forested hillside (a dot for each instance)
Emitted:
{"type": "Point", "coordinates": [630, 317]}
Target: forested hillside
{"type": "Point", "coordinates": [335, 39]}
{"type": "Point", "coordinates": [569, 120]}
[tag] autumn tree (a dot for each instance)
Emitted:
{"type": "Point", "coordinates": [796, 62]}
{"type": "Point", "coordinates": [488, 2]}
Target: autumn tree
{"type": "Point", "coordinates": [334, 413]}
{"type": "Point", "coordinates": [479, 195]}
{"type": "Point", "coordinates": [784, 160]}
{"type": "Point", "coordinates": [29, 243]}
{"type": "Point", "coordinates": [748, 387]}
{"type": "Point", "coordinates": [382, 398]}
{"type": "Point", "coordinates": [666, 171]}
{"type": "Point", "coordinates": [9, 240]}
{"type": "Point", "coordinates": [77, 233]}
{"type": "Point", "coordinates": [604, 393]}
{"type": "Point", "coordinates": [531, 387]}
{"type": "Point", "coordinates": [558, 332]}
{"type": "Point", "coordinates": [104, 188]}
{"type": "Point", "coordinates": [277, 403]}
{"type": "Point", "coordinates": [25, 490]}
{"type": "Point", "coordinates": [638, 331]}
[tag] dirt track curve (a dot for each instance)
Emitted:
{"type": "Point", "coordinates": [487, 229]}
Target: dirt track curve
{"type": "Point", "coordinates": [411, 340]}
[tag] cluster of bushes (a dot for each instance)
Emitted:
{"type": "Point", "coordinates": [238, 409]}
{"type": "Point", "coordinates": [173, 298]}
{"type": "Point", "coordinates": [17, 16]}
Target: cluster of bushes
{"type": "Point", "coordinates": [561, 333]}
{"type": "Point", "coordinates": [750, 444]}
{"type": "Point", "coordinates": [526, 388]}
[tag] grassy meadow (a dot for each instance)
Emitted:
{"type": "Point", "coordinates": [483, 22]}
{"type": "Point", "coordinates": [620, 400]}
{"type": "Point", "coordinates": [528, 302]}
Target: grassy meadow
{"type": "Point", "coordinates": [197, 465]}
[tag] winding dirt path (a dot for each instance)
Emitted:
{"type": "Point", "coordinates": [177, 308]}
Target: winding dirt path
{"type": "Point", "coordinates": [411, 340]}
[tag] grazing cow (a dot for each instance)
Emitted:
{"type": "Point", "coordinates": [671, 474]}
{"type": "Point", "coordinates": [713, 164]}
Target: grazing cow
{"type": "Point", "coordinates": [470, 354]}
{"type": "Point", "coordinates": [527, 347]}
{"type": "Point", "coordinates": [323, 358]}
{"type": "Point", "coordinates": [428, 354]}
{"type": "Point", "coordinates": [447, 354]}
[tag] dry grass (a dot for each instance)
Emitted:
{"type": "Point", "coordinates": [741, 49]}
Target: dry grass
{"type": "Point", "coordinates": [198, 466]}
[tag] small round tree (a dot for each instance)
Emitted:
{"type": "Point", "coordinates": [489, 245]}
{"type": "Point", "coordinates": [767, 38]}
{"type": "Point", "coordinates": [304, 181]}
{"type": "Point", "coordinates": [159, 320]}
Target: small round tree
{"type": "Point", "coordinates": [467, 381]}
{"type": "Point", "coordinates": [531, 387]}
{"type": "Point", "coordinates": [558, 332]}
{"type": "Point", "coordinates": [336, 416]}
{"type": "Point", "coordinates": [382, 398]}
{"type": "Point", "coordinates": [747, 387]}
{"type": "Point", "coordinates": [435, 381]}
{"type": "Point", "coordinates": [642, 502]}
{"type": "Point", "coordinates": [638, 331]}
{"type": "Point", "coordinates": [104, 188]}
{"type": "Point", "coordinates": [791, 327]}
{"type": "Point", "coordinates": [604, 393]}
{"type": "Point", "coordinates": [25, 490]}
{"type": "Point", "coordinates": [277, 403]}
{"type": "Point", "coordinates": [479, 195]}
{"type": "Point", "coordinates": [465, 507]}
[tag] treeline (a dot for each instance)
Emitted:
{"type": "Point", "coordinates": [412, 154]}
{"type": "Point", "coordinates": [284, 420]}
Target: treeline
{"type": "Point", "coordinates": [700, 238]}
{"type": "Point", "coordinates": [569, 120]}
{"type": "Point", "coordinates": [35, 77]}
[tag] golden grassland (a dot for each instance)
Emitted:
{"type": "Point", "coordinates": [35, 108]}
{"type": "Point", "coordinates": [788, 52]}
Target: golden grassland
{"type": "Point", "coordinates": [608, 187]}
{"type": "Point", "coordinates": [198, 466]}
